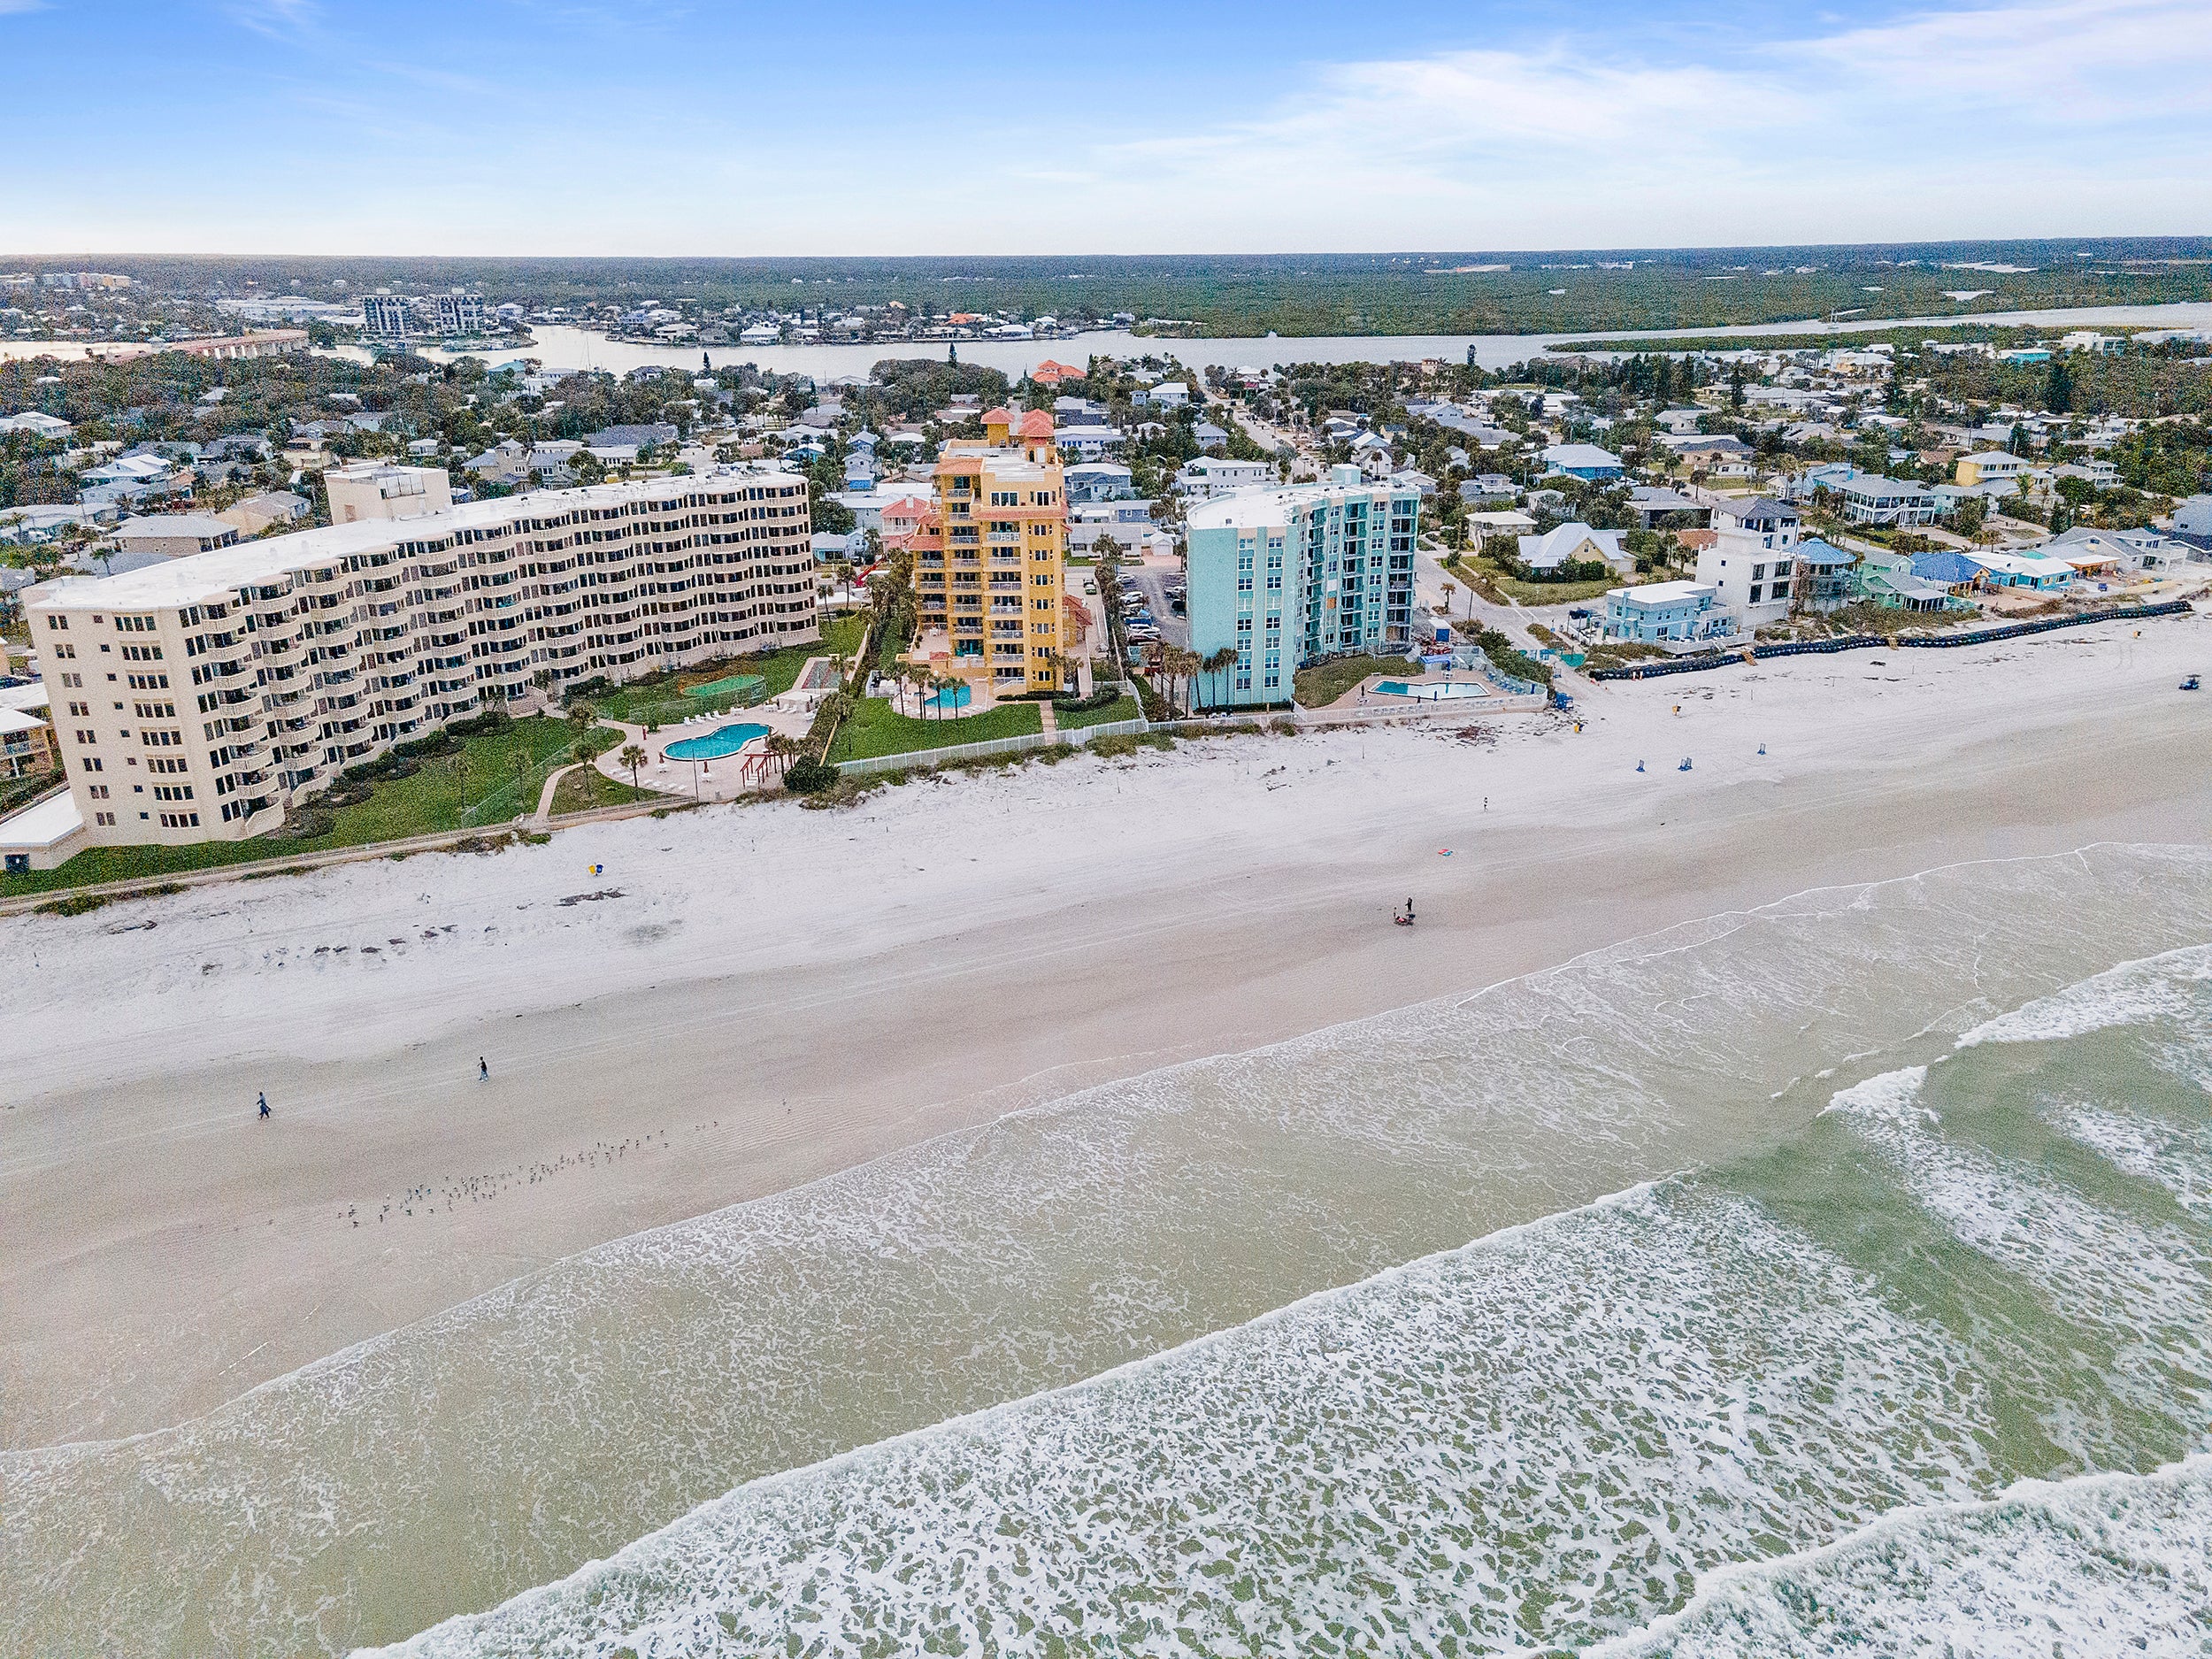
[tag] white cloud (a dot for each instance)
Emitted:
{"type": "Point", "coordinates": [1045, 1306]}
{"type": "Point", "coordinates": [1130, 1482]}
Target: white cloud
{"type": "Point", "coordinates": [2029, 119]}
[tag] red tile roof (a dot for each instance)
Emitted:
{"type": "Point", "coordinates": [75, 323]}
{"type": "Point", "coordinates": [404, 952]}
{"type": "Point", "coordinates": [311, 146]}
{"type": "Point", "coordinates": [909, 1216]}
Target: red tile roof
{"type": "Point", "coordinates": [1036, 423]}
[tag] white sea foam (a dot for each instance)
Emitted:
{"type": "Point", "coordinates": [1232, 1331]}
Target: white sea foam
{"type": "Point", "coordinates": [1540, 1436]}
{"type": "Point", "coordinates": [2133, 994]}
{"type": "Point", "coordinates": [2177, 1157]}
{"type": "Point", "coordinates": [2145, 1285]}
{"type": "Point", "coordinates": [1722, 1385]}
{"type": "Point", "coordinates": [2101, 1564]}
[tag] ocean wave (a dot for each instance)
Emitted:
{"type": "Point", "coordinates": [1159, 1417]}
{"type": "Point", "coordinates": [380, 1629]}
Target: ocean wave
{"type": "Point", "coordinates": [2161, 987]}
{"type": "Point", "coordinates": [2107, 1563]}
{"type": "Point", "coordinates": [449, 1464]}
{"type": "Point", "coordinates": [1538, 1437]}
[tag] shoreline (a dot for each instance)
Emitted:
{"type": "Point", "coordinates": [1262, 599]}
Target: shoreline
{"type": "Point", "coordinates": [815, 990]}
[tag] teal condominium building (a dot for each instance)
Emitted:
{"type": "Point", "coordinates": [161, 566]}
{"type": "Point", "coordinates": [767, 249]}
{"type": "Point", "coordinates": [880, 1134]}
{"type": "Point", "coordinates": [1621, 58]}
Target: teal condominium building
{"type": "Point", "coordinates": [1290, 576]}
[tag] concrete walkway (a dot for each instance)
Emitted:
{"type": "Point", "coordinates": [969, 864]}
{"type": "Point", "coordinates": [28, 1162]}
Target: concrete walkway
{"type": "Point", "coordinates": [545, 795]}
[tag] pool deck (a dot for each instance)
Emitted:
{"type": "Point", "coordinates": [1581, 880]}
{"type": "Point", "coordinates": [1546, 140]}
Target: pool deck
{"type": "Point", "coordinates": [1365, 696]}
{"type": "Point", "coordinates": [721, 780]}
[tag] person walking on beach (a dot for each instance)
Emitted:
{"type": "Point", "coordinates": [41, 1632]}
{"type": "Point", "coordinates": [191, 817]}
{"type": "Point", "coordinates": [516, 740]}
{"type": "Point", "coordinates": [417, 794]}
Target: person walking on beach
{"type": "Point", "coordinates": [264, 1103]}
{"type": "Point", "coordinates": [483, 1072]}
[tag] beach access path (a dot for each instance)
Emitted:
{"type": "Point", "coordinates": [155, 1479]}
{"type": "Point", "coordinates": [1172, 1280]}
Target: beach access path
{"type": "Point", "coordinates": [777, 994]}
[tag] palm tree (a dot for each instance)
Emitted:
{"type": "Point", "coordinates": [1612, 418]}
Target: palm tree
{"type": "Point", "coordinates": [634, 757]}
{"type": "Point", "coordinates": [581, 718]}
{"type": "Point", "coordinates": [1220, 663]}
{"type": "Point", "coordinates": [783, 750]}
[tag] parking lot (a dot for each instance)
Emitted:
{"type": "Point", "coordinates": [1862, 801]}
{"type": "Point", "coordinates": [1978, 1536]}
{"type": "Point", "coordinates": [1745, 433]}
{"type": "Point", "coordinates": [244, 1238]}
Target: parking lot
{"type": "Point", "coordinates": [1150, 583]}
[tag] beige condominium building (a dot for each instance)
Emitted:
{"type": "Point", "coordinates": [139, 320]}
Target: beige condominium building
{"type": "Point", "coordinates": [198, 699]}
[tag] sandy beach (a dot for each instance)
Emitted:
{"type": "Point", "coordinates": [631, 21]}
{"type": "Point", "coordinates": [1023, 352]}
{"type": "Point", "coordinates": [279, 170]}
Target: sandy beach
{"type": "Point", "coordinates": [745, 998]}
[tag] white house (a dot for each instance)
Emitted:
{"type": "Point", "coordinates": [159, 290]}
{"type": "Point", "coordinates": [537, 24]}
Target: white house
{"type": "Point", "coordinates": [1088, 442]}
{"type": "Point", "coordinates": [1166, 394]}
{"type": "Point", "coordinates": [1210, 476]}
{"type": "Point", "coordinates": [1753, 560]}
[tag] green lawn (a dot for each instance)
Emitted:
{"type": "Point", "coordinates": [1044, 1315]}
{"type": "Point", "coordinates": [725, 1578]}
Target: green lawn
{"type": "Point", "coordinates": [484, 784]}
{"type": "Point", "coordinates": [1122, 707]}
{"type": "Point", "coordinates": [1544, 593]}
{"type": "Point", "coordinates": [584, 788]}
{"type": "Point", "coordinates": [1319, 687]}
{"type": "Point", "coordinates": [876, 729]}
{"type": "Point", "coordinates": [662, 697]}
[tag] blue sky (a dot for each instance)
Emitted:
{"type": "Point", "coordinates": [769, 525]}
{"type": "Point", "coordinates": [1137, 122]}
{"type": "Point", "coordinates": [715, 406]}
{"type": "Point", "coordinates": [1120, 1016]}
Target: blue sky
{"type": "Point", "coordinates": [587, 127]}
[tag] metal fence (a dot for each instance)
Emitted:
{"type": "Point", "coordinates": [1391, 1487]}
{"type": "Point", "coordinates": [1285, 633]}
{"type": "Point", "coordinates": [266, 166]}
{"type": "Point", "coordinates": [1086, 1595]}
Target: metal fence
{"type": "Point", "coordinates": [921, 760]}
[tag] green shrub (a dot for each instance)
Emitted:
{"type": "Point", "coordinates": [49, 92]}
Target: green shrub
{"type": "Point", "coordinates": [809, 776]}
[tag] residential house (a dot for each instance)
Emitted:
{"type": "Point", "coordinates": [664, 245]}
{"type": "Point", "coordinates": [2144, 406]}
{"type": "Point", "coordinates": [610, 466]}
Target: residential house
{"type": "Point", "coordinates": [1752, 564]}
{"type": "Point", "coordinates": [1871, 499]}
{"type": "Point", "coordinates": [2095, 552]}
{"type": "Point", "coordinates": [1888, 578]}
{"type": "Point", "coordinates": [1166, 394]}
{"type": "Point", "coordinates": [655, 431]}
{"type": "Point", "coordinates": [1413, 478]}
{"type": "Point", "coordinates": [27, 740]}
{"type": "Point", "coordinates": [1673, 615]}
{"type": "Point", "coordinates": [1823, 579]}
{"type": "Point", "coordinates": [37, 424]}
{"type": "Point", "coordinates": [1722, 456]}
{"type": "Point", "coordinates": [2192, 515]}
{"type": "Point", "coordinates": [173, 534]}
{"type": "Point", "coordinates": [1091, 442]}
{"type": "Point", "coordinates": [1650, 504]}
{"type": "Point", "coordinates": [1099, 481]}
{"type": "Point", "coordinates": [1210, 476]}
{"type": "Point", "coordinates": [1985, 465]}
{"type": "Point", "coordinates": [277, 508]}
{"type": "Point", "coordinates": [1489, 490]}
{"type": "Point", "coordinates": [1582, 460]}
{"type": "Point", "coordinates": [1952, 572]}
{"type": "Point", "coordinates": [1212, 439]}
{"type": "Point", "coordinates": [2029, 570]}
{"type": "Point", "coordinates": [1575, 544]}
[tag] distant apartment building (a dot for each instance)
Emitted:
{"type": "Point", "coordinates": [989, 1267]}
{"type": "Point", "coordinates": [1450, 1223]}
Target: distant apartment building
{"type": "Point", "coordinates": [1291, 575]}
{"type": "Point", "coordinates": [990, 565]}
{"type": "Point", "coordinates": [196, 699]}
{"type": "Point", "coordinates": [386, 317]}
{"type": "Point", "coordinates": [455, 313]}
{"type": "Point", "coordinates": [370, 489]}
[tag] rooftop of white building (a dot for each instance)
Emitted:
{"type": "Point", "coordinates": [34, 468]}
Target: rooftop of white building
{"type": "Point", "coordinates": [1662, 593]}
{"type": "Point", "coordinates": [197, 578]}
{"type": "Point", "coordinates": [1256, 509]}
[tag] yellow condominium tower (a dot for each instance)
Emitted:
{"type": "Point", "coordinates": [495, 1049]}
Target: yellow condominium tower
{"type": "Point", "coordinates": [990, 575]}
